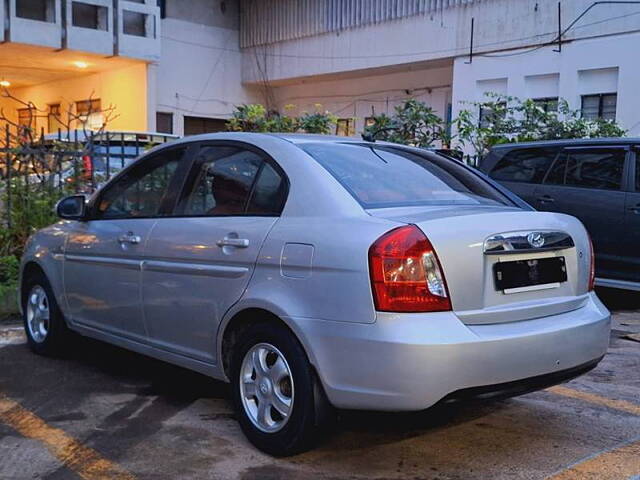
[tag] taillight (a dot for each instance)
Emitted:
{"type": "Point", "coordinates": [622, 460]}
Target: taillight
{"type": "Point", "coordinates": [406, 274]}
{"type": "Point", "coordinates": [592, 266]}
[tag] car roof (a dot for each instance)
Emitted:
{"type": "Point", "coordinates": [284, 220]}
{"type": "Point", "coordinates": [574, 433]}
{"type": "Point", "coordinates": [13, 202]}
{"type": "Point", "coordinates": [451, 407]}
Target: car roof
{"type": "Point", "coordinates": [571, 142]}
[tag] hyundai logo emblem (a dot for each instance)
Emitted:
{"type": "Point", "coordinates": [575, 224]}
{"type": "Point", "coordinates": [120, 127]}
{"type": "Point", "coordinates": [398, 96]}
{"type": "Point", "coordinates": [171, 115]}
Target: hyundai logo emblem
{"type": "Point", "coordinates": [535, 239]}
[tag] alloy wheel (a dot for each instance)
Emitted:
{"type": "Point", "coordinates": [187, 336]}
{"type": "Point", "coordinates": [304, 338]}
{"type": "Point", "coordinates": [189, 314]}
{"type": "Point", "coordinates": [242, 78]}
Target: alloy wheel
{"type": "Point", "coordinates": [266, 387]}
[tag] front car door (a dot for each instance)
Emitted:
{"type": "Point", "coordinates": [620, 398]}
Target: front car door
{"type": "Point", "coordinates": [103, 255]}
{"type": "Point", "coordinates": [589, 183]}
{"type": "Point", "coordinates": [198, 263]}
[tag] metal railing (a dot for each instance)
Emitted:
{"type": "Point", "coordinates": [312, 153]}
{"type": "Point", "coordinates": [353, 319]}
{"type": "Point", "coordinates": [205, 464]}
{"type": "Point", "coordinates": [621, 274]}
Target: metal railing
{"type": "Point", "coordinates": [35, 174]}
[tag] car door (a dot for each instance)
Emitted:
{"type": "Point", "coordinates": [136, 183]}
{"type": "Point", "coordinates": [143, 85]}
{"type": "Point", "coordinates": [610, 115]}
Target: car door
{"type": "Point", "coordinates": [199, 262]}
{"type": "Point", "coordinates": [630, 270]}
{"type": "Point", "coordinates": [522, 169]}
{"type": "Point", "coordinates": [103, 255]}
{"type": "Point", "coordinates": [588, 183]}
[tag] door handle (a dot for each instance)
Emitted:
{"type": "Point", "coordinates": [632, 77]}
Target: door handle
{"type": "Point", "coordinates": [545, 199]}
{"type": "Point", "coordinates": [233, 242]}
{"type": "Point", "coordinates": [130, 238]}
{"type": "Point", "coordinates": [635, 209]}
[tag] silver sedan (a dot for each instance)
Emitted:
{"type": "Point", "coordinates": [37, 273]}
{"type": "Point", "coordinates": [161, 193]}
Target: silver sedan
{"type": "Point", "coordinates": [316, 273]}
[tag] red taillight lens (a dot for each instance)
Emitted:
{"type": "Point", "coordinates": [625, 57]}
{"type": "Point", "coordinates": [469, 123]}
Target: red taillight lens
{"type": "Point", "coordinates": [592, 266]}
{"type": "Point", "coordinates": [406, 274]}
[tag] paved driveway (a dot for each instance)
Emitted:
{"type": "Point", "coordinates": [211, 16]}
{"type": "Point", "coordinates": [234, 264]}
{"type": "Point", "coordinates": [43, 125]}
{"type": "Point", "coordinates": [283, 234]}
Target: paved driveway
{"type": "Point", "coordinates": [107, 413]}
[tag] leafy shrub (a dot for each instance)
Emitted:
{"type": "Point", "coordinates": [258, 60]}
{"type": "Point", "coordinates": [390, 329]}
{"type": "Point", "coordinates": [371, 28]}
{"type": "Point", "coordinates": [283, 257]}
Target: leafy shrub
{"type": "Point", "coordinates": [256, 118]}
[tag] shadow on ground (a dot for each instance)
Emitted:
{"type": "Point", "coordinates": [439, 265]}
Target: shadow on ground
{"type": "Point", "coordinates": [616, 299]}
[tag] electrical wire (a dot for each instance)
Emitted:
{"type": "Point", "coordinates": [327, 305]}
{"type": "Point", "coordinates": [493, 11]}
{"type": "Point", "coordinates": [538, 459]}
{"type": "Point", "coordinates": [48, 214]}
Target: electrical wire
{"type": "Point", "coordinates": [558, 38]}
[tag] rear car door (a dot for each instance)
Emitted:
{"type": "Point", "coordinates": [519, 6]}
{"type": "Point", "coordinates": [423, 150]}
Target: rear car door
{"type": "Point", "coordinates": [589, 183]}
{"type": "Point", "coordinates": [199, 262]}
{"type": "Point", "coordinates": [103, 255]}
{"type": "Point", "coordinates": [630, 269]}
{"type": "Point", "coordinates": [522, 169]}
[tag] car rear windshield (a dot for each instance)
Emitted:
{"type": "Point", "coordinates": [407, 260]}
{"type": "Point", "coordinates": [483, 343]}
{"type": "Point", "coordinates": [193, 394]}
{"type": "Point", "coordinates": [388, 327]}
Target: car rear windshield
{"type": "Point", "coordinates": [383, 176]}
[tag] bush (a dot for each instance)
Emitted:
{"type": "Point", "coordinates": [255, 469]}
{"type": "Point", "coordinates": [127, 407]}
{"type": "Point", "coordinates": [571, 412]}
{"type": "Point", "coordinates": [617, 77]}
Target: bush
{"type": "Point", "coordinates": [256, 118]}
{"type": "Point", "coordinates": [510, 119]}
{"type": "Point", "coordinates": [413, 123]}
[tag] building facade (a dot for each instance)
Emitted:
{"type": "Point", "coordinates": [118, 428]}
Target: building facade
{"type": "Point", "coordinates": [180, 66]}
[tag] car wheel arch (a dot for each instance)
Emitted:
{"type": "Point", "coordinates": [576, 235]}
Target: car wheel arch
{"type": "Point", "coordinates": [239, 322]}
{"type": "Point", "coordinates": [29, 270]}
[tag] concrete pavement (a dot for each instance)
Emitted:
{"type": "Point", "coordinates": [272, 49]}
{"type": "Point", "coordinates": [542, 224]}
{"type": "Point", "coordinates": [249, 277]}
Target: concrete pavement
{"type": "Point", "coordinates": [108, 413]}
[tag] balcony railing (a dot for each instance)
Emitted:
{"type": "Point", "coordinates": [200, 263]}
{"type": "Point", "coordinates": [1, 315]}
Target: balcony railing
{"type": "Point", "coordinates": [108, 27]}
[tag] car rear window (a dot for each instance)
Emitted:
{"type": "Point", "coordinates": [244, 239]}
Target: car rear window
{"type": "Point", "coordinates": [383, 176]}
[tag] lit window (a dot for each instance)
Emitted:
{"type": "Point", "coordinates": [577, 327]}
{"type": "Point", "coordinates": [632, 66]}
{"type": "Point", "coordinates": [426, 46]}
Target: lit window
{"type": "Point", "coordinates": [89, 113]}
{"type": "Point", "coordinates": [346, 127]}
{"type": "Point", "coordinates": [53, 118]}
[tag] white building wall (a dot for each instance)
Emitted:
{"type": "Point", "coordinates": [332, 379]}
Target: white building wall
{"type": "Point", "coordinates": [499, 25]}
{"type": "Point", "coordinates": [199, 72]}
{"type": "Point", "coordinates": [599, 65]}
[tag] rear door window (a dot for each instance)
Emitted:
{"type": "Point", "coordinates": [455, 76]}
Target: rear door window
{"type": "Point", "coordinates": [527, 165]}
{"type": "Point", "coordinates": [595, 168]}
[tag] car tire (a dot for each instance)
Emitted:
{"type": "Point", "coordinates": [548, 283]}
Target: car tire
{"type": "Point", "coordinates": [269, 357]}
{"type": "Point", "coordinates": [45, 326]}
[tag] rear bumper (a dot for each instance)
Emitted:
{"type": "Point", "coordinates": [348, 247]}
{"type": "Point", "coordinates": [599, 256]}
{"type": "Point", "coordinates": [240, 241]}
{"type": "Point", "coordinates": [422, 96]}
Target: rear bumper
{"type": "Point", "coordinates": [412, 361]}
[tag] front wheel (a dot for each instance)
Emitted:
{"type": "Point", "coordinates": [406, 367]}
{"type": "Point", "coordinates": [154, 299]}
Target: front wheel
{"type": "Point", "coordinates": [274, 391]}
{"type": "Point", "coordinates": [46, 329]}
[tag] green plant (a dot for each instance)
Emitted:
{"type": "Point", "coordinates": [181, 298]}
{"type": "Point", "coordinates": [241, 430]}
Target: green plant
{"type": "Point", "coordinates": [413, 123]}
{"type": "Point", "coordinates": [256, 118]}
{"type": "Point", "coordinates": [508, 119]}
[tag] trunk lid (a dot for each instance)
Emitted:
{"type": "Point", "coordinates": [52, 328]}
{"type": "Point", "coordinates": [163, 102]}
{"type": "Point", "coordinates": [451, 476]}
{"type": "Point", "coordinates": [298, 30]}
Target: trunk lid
{"type": "Point", "coordinates": [458, 234]}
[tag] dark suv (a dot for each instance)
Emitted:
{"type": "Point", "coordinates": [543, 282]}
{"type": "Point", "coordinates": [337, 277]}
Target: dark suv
{"type": "Point", "coordinates": [596, 180]}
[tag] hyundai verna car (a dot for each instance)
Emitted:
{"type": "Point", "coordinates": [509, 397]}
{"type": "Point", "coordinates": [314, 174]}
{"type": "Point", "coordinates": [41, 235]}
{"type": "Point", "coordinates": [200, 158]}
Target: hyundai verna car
{"type": "Point", "coordinates": [316, 273]}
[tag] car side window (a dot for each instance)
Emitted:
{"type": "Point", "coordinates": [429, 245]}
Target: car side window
{"type": "Point", "coordinates": [557, 172]}
{"type": "Point", "coordinates": [527, 165]}
{"type": "Point", "coordinates": [268, 192]}
{"type": "Point", "coordinates": [595, 168]}
{"type": "Point", "coordinates": [231, 181]}
{"type": "Point", "coordinates": [140, 191]}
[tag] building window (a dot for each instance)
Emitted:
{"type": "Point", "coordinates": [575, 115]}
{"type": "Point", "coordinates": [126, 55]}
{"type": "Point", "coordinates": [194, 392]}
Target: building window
{"type": "Point", "coordinates": [53, 118]}
{"type": "Point", "coordinates": [196, 125]}
{"type": "Point", "coordinates": [164, 122]}
{"type": "Point", "coordinates": [86, 15]}
{"type": "Point", "coordinates": [346, 127]}
{"type": "Point", "coordinates": [599, 106]}
{"type": "Point", "coordinates": [89, 113]}
{"type": "Point", "coordinates": [369, 121]}
{"type": "Point", "coordinates": [488, 116]}
{"type": "Point", "coordinates": [548, 104]}
{"type": "Point", "coordinates": [135, 23]}
{"type": "Point", "coordinates": [25, 117]}
{"type": "Point", "coordinates": [40, 10]}
{"type": "Point", "coordinates": [163, 8]}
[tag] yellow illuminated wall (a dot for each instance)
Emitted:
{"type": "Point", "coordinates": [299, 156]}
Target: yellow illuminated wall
{"type": "Point", "coordinates": [124, 88]}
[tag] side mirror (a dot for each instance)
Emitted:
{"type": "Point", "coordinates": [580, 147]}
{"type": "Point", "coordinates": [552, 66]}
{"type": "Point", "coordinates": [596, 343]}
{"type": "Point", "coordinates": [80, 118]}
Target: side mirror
{"type": "Point", "coordinates": [73, 207]}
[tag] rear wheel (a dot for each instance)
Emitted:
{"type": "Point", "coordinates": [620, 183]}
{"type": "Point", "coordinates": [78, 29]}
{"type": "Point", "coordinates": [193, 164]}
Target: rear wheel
{"type": "Point", "coordinates": [274, 390]}
{"type": "Point", "coordinates": [47, 332]}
